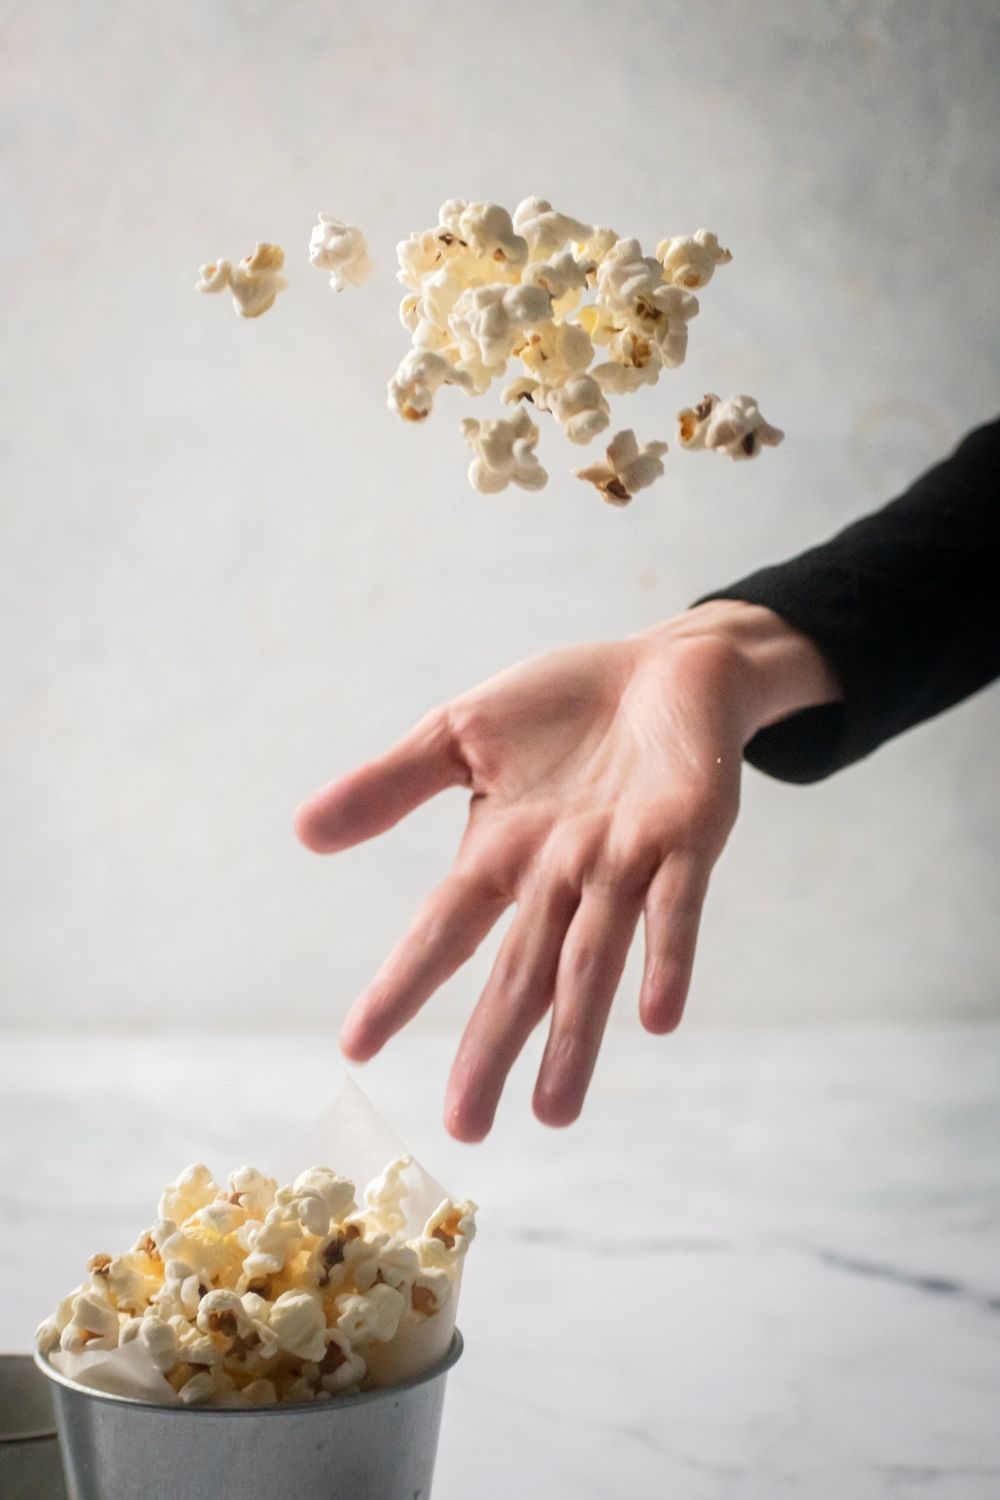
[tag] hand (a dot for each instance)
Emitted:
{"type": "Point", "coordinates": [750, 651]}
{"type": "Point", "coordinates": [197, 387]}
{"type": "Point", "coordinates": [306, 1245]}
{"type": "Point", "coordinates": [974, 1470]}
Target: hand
{"type": "Point", "coordinates": [605, 780]}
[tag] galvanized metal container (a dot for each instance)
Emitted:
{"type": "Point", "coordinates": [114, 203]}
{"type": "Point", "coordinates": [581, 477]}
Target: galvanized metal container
{"type": "Point", "coordinates": [379, 1445]}
{"type": "Point", "coordinates": [30, 1467]}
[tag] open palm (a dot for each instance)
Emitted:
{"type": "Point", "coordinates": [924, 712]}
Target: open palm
{"type": "Point", "coordinates": [605, 780]}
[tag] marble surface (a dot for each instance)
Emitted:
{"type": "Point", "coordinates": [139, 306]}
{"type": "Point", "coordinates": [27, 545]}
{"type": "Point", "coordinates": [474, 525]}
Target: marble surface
{"type": "Point", "coordinates": [765, 1264]}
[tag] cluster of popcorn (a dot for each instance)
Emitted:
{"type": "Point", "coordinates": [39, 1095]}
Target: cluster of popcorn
{"type": "Point", "coordinates": [586, 314]}
{"type": "Point", "coordinates": [584, 311]}
{"type": "Point", "coordinates": [252, 1294]}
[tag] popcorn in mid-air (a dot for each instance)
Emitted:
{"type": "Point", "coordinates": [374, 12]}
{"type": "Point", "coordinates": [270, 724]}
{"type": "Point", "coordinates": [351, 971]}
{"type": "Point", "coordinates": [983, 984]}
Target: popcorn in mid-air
{"type": "Point", "coordinates": [585, 313]}
{"type": "Point", "coordinates": [250, 1293]}
{"type": "Point", "coordinates": [627, 468]}
{"type": "Point", "coordinates": [588, 316]}
{"type": "Point", "coordinates": [342, 250]}
{"type": "Point", "coordinates": [504, 453]}
{"type": "Point", "coordinates": [420, 375]}
{"type": "Point", "coordinates": [735, 426]}
{"type": "Point", "coordinates": [690, 260]}
{"type": "Point", "coordinates": [254, 283]}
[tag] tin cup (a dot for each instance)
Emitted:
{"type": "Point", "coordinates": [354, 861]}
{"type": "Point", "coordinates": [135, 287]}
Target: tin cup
{"type": "Point", "coordinates": [379, 1445]}
{"type": "Point", "coordinates": [30, 1467]}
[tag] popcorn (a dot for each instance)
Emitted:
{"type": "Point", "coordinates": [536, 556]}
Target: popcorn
{"type": "Point", "coordinates": [555, 351]}
{"type": "Point", "coordinates": [193, 1189]}
{"type": "Point", "coordinates": [488, 321]}
{"type": "Point", "coordinates": [93, 1324]}
{"type": "Point", "coordinates": [623, 379]}
{"type": "Point", "coordinates": [628, 468]}
{"type": "Point", "coordinates": [430, 1290]}
{"type": "Point", "coordinates": [257, 1294]}
{"type": "Point", "coordinates": [545, 230]}
{"type": "Point", "coordinates": [415, 384]}
{"type": "Point", "coordinates": [252, 1191]}
{"type": "Point", "coordinates": [579, 407]}
{"type": "Point", "coordinates": [158, 1338]}
{"type": "Point", "coordinates": [454, 1225]}
{"type": "Point", "coordinates": [487, 228]}
{"type": "Point", "coordinates": [299, 1324]}
{"type": "Point", "coordinates": [560, 275]}
{"type": "Point", "coordinates": [206, 1386]}
{"type": "Point", "coordinates": [504, 454]}
{"type": "Point", "coordinates": [735, 427]}
{"type": "Point", "coordinates": [384, 1195]}
{"type": "Point", "coordinates": [372, 1318]}
{"type": "Point", "coordinates": [336, 1192]}
{"type": "Point", "coordinates": [690, 260]}
{"type": "Point", "coordinates": [254, 283]}
{"type": "Point", "coordinates": [342, 250]}
{"type": "Point", "coordinates": [274, 1242]}
{"type": "Point", "coordinates": [341, 1368]}
{"type": "Point", "coordinates": [395, 1264]}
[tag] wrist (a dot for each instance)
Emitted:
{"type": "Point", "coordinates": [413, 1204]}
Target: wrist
{"type": "Point", "coordinates": [780, 670]}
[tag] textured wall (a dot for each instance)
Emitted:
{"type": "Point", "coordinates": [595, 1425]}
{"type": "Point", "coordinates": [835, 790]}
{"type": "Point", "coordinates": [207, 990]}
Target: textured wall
{"type": "Point", "coordinates": [228, 573]}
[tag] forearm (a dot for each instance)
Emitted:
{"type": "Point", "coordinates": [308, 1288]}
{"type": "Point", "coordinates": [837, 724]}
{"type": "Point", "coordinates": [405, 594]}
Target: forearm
{"type": "Point", "coordinates": [904, 605]}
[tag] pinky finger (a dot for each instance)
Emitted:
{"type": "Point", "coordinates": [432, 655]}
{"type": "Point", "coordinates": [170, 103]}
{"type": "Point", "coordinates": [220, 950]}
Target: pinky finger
{"type": "Point", "coordinates": [673, 913]}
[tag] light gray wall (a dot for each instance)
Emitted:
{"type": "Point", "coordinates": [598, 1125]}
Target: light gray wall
{"type": "Point", "coordinates": [228, 572]}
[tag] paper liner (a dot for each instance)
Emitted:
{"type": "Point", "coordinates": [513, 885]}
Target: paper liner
{"type": "Point", "coordinates": [352, 1138]}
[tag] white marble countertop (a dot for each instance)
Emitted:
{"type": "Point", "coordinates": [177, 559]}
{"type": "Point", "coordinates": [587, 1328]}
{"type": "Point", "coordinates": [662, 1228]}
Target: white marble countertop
{"type": "Point", "coordinates": [765, 1264]}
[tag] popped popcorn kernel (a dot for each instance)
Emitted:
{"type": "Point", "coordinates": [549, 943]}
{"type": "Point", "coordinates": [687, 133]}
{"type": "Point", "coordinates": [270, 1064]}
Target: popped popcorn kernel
{"type": "Point", "coordinates": [735, 427]}
{"type": "Point", "coordinates": [487, 228]}
{"type": "Point", "coordinates": [372, 1317]}
{"type": "Point", "coordinates": [420, 375]}
{"type": "Point", "coordinates": [254, 283]}
{"type": "Point", "coordinates": [690, 260]}
{"type": "Point", "coordinates": [193, 1189]}
{"type": "Point", "coordinates": [546, 231]}
{"type": "Point", "coordinates": [579, 407]}
{"type": "Point", "coordinates": [504, 454]}
{"type": "Point", "coordinates": [342, 250]}
{"type": "Point", "coordinates": [628, 468]}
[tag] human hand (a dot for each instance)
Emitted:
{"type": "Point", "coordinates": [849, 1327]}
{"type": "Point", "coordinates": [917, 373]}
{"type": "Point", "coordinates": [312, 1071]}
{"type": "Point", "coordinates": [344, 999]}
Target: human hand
{"type": "Point", "coordinates": [605, 780]}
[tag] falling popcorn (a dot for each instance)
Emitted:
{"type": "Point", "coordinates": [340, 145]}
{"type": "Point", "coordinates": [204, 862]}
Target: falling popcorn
{"type": "Point", "coordinates": [735, 426]}
{"type": "Point", "coordinates": [254, 283]}
{"type": "Point", "coordinates": [252, 1294]}
{"type": "Point", "coordinates": [586, 314]}
{"type": "Point", "coordinates": [419, 377]}
{"type": "Point", "coordinates": [628, 468]}
{"type": "Point", "coordinates": [504, 454]}
{"type": "Point", "coordinates": [690, 260]}
{"type": "Point", "coordinates": [342, 250]}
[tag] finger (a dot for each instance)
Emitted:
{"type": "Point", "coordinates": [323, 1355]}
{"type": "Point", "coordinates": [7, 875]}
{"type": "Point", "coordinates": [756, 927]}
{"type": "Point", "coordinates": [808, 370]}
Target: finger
{"type": "Point", "coordinates": [516, 997]}
{"type": "Point", "coordinates": [590, 967]}
{"type": "Point", "coordinates": [673, 912]}
{"type": "Point", "coordinates": [373, 798]}
{"type": "Point", "coordinates": [446, 931]}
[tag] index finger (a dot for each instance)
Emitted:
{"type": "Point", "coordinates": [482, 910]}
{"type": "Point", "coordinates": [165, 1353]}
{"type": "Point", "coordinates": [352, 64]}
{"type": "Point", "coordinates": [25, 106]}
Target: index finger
{"type": "Point", "coordinates": [373, 798]}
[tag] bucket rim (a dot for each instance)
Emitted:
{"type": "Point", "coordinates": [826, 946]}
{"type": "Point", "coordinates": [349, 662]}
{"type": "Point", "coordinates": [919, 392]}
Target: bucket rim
{"type": "Point", "coordinates": [282, 1408]}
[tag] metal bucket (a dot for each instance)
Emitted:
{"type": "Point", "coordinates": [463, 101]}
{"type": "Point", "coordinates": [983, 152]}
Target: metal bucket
{"type": "Point", "coordinates": [30, 1467]}
{"type": "Point", "coordinates": [379, 1445]}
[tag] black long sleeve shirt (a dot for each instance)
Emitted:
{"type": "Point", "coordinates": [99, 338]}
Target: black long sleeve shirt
{"type": "Point", "coordinates": [905, 606]}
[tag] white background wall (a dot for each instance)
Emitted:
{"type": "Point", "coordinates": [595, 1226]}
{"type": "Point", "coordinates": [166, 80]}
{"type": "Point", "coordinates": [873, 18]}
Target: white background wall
{"type": "Point", "coordinates": [228, 573]}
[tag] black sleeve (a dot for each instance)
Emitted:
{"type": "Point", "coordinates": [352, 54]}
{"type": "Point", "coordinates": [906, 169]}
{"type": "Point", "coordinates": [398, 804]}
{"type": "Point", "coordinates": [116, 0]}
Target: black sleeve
{"type": "Point", "coordinates": [905, 606]}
